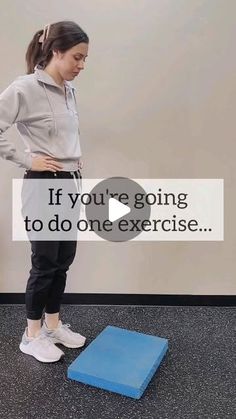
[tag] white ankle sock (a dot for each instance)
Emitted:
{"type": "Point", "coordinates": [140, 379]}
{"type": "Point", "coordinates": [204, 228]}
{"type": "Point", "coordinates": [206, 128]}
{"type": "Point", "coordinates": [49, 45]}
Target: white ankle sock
{"type": "Point", "coordinates": [29, 337]}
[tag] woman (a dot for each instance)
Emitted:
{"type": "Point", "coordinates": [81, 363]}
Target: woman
{"type": "Point", "coordinates": [42, 103]}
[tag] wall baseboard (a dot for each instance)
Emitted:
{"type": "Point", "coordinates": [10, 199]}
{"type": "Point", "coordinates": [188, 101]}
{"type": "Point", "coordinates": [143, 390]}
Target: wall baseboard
{"type": "Point", "coordinates": [133, 299]}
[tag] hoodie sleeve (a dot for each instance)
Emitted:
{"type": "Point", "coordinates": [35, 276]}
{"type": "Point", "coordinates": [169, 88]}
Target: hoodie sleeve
{"type": "Point", "coordinates": [12, 111]}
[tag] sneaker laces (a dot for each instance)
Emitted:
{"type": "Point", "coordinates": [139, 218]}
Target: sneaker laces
{"type": "Point", "coordinates": [46, 339]}
{"type": "Point", "coordinates": [70, 332]}
{"type": "Point", "coordinates": [66, 327]}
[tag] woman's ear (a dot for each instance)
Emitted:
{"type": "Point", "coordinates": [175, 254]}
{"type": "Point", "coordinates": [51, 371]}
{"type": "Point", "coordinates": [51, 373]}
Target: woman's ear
{"type": "Point", "coordinates": [57, 54]}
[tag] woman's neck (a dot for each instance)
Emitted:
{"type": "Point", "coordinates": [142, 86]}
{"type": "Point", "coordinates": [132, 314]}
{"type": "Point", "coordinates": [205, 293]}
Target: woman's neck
{"type": "Point", "coordinates": [56, 76]}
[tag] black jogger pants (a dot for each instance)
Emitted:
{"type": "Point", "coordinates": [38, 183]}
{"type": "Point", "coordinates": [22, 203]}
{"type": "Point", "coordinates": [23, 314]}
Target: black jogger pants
{"type": "Point", "coordinates": [50, 262]}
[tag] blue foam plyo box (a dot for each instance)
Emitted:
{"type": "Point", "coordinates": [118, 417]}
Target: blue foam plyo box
{"type": "Point", "coordinates": [119, 360]}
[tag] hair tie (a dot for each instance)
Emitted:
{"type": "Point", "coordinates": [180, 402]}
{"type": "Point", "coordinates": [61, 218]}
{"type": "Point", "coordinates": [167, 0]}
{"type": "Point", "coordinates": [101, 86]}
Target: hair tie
{"type": "Point", "coordinates": [45, 34]}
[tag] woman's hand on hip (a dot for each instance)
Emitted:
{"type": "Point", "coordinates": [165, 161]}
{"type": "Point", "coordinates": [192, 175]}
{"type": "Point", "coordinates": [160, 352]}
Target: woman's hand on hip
{"type": "Point", "coordinates": [40, 163]}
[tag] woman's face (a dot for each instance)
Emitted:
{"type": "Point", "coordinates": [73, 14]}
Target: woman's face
{"type": "Point", "coordinates": [71, 62]}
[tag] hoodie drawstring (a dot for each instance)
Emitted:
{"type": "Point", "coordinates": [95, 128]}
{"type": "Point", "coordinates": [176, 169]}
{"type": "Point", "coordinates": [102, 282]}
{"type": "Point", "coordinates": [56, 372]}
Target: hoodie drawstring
{"type": "Point", "coordinates": [76, 106]}
{"type": "Point", "coordinates": [54, 119]}
{"type": "Point", "coordinates": [78, 188]}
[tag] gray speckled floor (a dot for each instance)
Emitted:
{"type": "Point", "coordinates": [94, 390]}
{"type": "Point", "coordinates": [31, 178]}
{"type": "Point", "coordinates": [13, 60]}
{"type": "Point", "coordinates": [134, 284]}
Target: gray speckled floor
{"type": "Point", "coordinates": [196, 380]}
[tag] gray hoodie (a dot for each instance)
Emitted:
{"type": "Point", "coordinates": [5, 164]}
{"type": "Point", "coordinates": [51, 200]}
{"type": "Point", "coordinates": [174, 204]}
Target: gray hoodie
{"type": "Point", "coordinates": [46, 118]}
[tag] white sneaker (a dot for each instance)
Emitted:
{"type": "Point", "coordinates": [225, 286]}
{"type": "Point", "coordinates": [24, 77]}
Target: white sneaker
{"type": "Point", "coordinates": [62, 334]}
{"type": "Point", "coordinates": [41, 347]}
